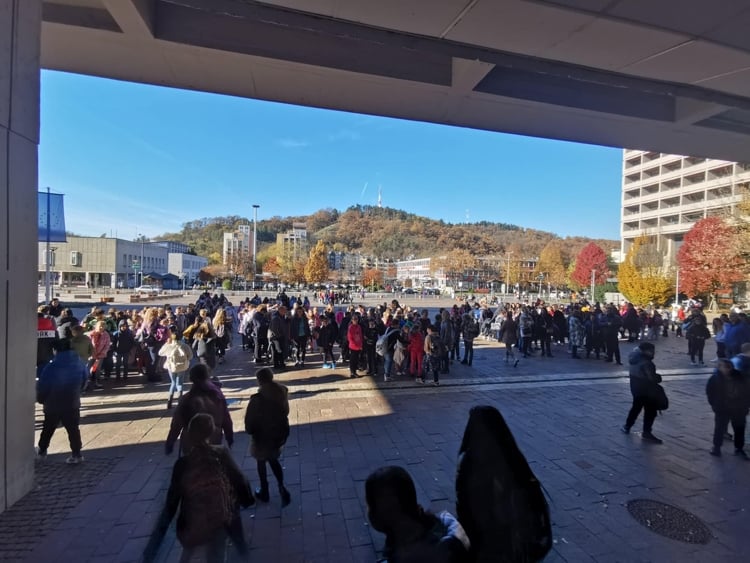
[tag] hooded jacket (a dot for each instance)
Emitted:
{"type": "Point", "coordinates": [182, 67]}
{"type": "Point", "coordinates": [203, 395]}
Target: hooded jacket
{"type": "Point", "coordinates": [642, 372]}
{"type": "Point", "coordinates": [205, 397]}
{"type": "Point", "coordinates": [60, 383]}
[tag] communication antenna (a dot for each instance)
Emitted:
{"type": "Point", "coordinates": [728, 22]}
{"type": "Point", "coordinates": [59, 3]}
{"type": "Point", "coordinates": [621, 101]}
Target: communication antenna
{"type": "Point", "coordinates": [467, 216]}
{"type": "Point", "coordinates": [380, 197]}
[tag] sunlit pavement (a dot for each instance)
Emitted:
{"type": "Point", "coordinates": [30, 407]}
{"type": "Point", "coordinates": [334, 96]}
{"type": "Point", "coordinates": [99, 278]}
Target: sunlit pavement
{"type": "Point", "coordinates": [565, 414]}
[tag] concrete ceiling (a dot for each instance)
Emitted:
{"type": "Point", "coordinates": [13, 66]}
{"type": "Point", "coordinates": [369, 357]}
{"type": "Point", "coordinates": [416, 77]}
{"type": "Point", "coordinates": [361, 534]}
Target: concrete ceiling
{"type": "Point", "coordinates": [669, 76]}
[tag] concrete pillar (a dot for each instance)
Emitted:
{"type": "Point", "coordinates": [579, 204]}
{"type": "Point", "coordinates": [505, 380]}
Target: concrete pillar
{"type": "Point", "coordinates": [20, 32]}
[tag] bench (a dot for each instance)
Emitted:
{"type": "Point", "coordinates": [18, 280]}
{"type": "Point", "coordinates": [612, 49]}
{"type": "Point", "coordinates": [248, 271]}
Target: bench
{"type": "Point", "coordinates": [80, 296]}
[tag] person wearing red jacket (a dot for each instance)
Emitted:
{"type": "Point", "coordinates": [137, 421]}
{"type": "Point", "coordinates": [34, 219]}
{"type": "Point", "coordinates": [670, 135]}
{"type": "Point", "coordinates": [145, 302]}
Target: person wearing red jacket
{"type": "Point", "coordinates": [416, 352]}
{"type": "Point", "coordinates": [355, 339]}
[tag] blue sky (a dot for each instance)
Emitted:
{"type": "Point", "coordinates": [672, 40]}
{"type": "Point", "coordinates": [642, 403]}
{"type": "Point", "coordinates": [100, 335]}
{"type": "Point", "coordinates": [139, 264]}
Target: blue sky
{"type": "Point", "coordinates": [143, 159]}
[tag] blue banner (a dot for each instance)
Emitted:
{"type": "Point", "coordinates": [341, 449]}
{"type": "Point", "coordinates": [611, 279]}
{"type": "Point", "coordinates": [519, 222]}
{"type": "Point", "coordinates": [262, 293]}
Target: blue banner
{"type": "Point", "coordinates": [51, 218]}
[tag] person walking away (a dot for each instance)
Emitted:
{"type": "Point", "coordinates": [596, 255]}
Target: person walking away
{"type": "Point", "coordinates": [208, 489]}
{"type": "Point", "coordinates": [204, 347]}
{"type": "Point", "coordinates": [411, 532]}
{"type": "Point", "coordinates": [643, 378]}
{"type": "Point", "coordinates": [177, 356]}
{"type": "Point", "coordinates": [355, 341]}
{"type": "Point", "coordinates": [728, 392]}
{"type": "Point", "coordinates": [470, 328]}
{"type": "Point", "coordinates": [59, 390]}
{"type": "Point", "coordinates": [267, 423]}
{"type": "Point", "coordinates": [260, 334]}
{"type": "Point", "coordinates": [278, 335]}
{"type": "Point", "coordinates": [205, 397]}
{"type": "Point", "coordinates": [547, 329]}
{"type": "Point", "coordinates": [697, 334]}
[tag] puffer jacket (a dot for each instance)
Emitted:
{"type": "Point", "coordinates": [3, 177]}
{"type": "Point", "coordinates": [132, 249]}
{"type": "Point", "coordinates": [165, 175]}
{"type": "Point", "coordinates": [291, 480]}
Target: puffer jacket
{"type": "Point", "coordinates": [643, 374]}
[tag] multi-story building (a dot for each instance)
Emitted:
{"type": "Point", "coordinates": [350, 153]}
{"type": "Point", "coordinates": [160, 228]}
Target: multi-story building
{"type": "Point", "coordinates": [238, 245]}
{"type": "Point", "coordinates": [663, 195]}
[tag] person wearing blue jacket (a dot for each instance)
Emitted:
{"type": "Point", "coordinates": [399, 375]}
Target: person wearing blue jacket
{"type": "Point", "coordinates": [736, 333]}
{"type": "Point", "coordinates": [59, 390]}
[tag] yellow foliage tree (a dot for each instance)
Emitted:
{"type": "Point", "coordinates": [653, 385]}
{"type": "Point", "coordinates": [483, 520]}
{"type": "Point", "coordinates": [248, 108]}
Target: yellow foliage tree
{"type": "Point", "coordinates": [551, 263]}
{"type": "Point", "coordinates": [641, 277]}
{"type": "Point", "coordinates": [316, 269]}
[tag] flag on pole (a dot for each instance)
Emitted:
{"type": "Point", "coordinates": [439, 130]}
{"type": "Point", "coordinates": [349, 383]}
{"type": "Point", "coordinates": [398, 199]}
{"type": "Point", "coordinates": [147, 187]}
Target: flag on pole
{"type": "Point", "coordinates": [51, 218]}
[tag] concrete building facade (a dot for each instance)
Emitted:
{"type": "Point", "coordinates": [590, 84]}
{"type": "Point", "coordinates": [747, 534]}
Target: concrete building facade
{"type": "Point", "coordinates": [293, 244]}
{"type": "Point", "coordinates": [664, 195]}
{"type": "Point", "coordinates": [238, 245]}
{"type": "Point", "coordinates": [113, 263]}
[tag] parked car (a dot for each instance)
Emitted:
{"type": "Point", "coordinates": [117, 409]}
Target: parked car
{"type": "Point", "coordinates": [148, 290]}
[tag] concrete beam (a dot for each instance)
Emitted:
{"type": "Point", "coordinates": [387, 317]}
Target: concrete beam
{"type": "Point", "coordinates": [466, 74]}
{"type": "Point", "coordinates": [135, 17]}
{"type": "Point", "coordinates": [688, 111]}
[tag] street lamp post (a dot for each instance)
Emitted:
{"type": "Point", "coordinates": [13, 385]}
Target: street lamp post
{"type": "Point", "coordinates": [593, 283]}
{"type": "Point", "coordinates": [507, 275]}
{"type": "Point", "coordinates": [142, 249]}
{"type": "Point", "coordinates": [255, 244]}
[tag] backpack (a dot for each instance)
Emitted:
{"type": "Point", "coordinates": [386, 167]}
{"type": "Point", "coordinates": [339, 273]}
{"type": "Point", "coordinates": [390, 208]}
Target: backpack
{"type": "Point", "coordinates": [179, 360]}
{"type": "Point", "coordinates": [437, 346]}
{"type": "Point", "coordinates": [381, 344]}
{"type": "Point", "coordinates": [499, 501]}
{"type": "Point", "coordinates": [472, 329]}
{"type": "Point", "coordinates": [208, 499]}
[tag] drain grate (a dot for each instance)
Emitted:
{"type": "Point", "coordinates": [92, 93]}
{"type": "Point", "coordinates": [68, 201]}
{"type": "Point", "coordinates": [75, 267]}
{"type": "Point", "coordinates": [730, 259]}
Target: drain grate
{"type": "Point", "coordinates": [669, 521]}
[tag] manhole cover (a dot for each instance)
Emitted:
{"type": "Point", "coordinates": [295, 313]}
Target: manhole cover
{"type": "Point", "coordinates": [669, 521]}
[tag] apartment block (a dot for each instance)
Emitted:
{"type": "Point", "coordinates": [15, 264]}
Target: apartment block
{"type": "Point", "coordinates": [664, 195]}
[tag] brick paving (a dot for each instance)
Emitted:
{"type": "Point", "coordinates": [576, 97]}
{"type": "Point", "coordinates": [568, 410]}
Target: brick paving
{"type": "Point", "coordinates": [564, 413]}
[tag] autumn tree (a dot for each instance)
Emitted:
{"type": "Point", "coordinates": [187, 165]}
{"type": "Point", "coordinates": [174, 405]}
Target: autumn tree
{"type": "Point", "coordinates": [708, 258]}
{"type": "Point", "coordinates": [641, 277]}
{"type": "Point", "coordinates": [272, 266]}
{"type": "Point", "coordinates": [455, 263]}
{"type": "Point", "coordinates": [372, 277]}
{"type": "Point", "coordinates": [591, 257]}
{"type": "Point", "coordinates": [316, 269]}
{"type": "Point", "coordinates": [551, 263]}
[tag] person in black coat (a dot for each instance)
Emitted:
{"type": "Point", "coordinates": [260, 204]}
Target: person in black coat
{"type": "Point", "coordinates": [643, 380]}
{"type": "Point", "coordinates": [267, 423]}
{"type": "Point", "coordinates": [327, 334]}
{"type": "Point", "coordinates": [728, 392]}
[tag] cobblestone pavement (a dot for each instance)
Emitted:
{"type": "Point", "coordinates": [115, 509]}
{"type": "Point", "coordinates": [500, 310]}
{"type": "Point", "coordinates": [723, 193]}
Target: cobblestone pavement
{"type": "Point", "coordinates": [565, 415]}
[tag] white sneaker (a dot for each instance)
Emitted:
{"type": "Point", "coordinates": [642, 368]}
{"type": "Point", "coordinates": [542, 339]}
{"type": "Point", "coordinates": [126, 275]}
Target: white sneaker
{"type": "Point", "coordinates": [74, 460]}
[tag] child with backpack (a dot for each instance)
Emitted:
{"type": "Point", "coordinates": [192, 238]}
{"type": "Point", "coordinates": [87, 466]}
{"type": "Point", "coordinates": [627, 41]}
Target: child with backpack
{"type": "Point", "coordinates": [178, 356]}
{"type": "Point", "coordinates": [208, 489]}
{"type": "Point", "coordinates": [728, 392]}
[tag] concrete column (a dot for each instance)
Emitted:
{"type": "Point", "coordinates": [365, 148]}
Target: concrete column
{"type": "Point", "coordinates": [20, 32]}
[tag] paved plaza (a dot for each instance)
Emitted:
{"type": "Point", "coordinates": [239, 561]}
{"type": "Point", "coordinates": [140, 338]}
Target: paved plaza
{"type": "Point", "coordinates": [565, 415]}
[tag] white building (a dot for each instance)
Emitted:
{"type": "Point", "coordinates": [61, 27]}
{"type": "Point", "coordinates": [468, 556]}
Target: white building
{"type": "Point", "coordinates": [419, 272]}
{"type": "Point", "coordinates": [663, 195]}
{"type": "Point", "coordinates": [186, 266]}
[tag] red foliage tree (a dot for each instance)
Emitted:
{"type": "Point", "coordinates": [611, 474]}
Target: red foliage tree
{"type": "Point", "coordinates": [591, 257]}
{"type": "Point", "coordinates": [708, 258]}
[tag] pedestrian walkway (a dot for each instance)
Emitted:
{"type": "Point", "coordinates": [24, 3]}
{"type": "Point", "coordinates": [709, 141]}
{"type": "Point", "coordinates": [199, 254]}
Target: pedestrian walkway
{"type": "Point", "coordinates": [564, 413]}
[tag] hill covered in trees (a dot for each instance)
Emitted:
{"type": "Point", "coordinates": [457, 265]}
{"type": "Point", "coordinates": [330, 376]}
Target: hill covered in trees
{"type": "Point", "coordinates": [385, 233]}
